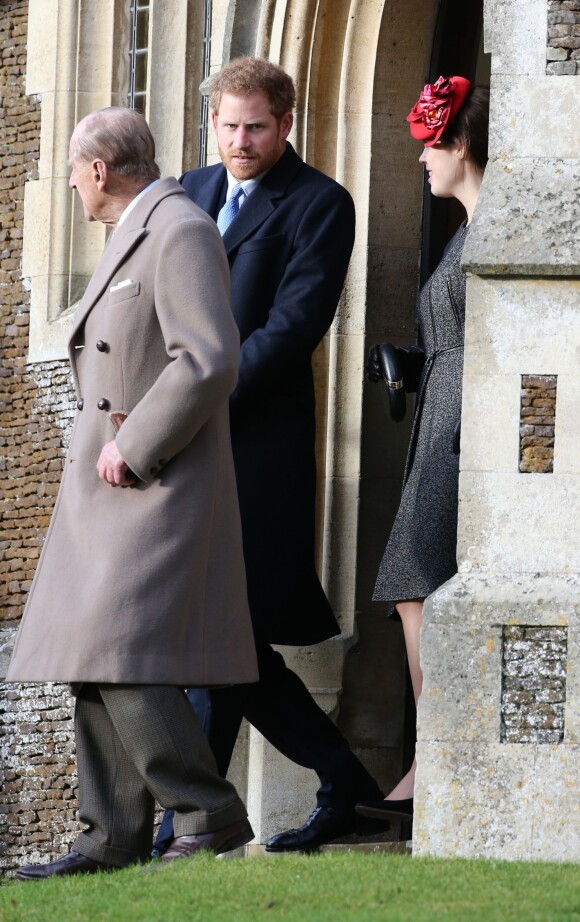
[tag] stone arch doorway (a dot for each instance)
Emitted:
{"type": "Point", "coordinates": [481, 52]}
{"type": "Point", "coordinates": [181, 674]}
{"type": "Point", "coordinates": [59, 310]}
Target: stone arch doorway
{"type": "Point", "coordinates": [357, 64]}
{"type": "Point", "coordinates": [408, 231]}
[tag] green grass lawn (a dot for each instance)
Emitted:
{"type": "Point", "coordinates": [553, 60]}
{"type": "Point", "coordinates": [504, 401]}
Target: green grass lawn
{"type": "Point", "coordinates": [323, 887]}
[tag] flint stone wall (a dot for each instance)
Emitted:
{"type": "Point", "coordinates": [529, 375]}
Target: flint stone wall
{"type": "Point", "coordinates": [39, 781]}
{"type": "Point", "coordinates": [537, 424]}
{"type": "Point", "coordinates": [37, 775]}
{"type": "Point", "coordinates": [533, 698]}
{"type": "Point", "coordinates": [563, 54]}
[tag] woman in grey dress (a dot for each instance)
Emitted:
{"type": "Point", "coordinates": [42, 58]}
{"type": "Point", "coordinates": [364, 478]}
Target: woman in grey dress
{"type": "Point", "coordinates": [451, 119]}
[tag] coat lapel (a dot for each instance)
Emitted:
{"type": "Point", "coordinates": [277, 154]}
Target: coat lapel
{"type": "Point", "coordinates": [253, 213]}
{"type": "Point", "coordinates": [212, 193]}
{"type": "Point", "coordinates": [116, 251]}
{"type": "Point", "coordinates": [119, 246]}
{"type": "Point", "coordinates": [261, 202]}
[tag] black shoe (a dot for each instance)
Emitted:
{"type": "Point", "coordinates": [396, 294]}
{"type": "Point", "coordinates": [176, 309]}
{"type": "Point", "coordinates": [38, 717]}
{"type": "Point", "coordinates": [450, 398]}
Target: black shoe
{"type": "Point", "coordinates": [70, 864]}
{"type": "Point", "coordinates": [386, 809]}
{"type": "Point", "coordinates": [323, 825]}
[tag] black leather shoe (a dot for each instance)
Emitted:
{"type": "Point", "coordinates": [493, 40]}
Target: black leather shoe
{"type": "Point", "coordinates": [387, 809]}
{"type": "Point", "coordinates": [323, 825]}
{"type": "Point", "coordinates": [70, 864]}
{"type": "Point", "coordinates": [222, 840]}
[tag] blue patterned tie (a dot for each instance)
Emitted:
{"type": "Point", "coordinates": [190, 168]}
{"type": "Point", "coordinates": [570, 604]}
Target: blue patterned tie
{"type": "Point", "coordinates": [230, 209]}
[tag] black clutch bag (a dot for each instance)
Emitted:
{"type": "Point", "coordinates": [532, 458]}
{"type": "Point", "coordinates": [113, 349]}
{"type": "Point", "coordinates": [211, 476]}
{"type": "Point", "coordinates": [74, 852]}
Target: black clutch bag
{"type": "Point", "coordinates": [400, 367]}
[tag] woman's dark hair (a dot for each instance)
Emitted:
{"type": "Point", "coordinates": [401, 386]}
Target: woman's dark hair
{"type": "Point", "coordinates": [471, 126]}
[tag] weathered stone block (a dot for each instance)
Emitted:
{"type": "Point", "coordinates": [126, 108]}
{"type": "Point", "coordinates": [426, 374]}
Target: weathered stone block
{"type": "Point", "coordinates": [462, 694]}
{"type": "Point", "coordinates": [565, 16]}
{"type": "Point", "coordinates": [470, 787]}
{"type": "Point", "coordinates": [528, 202]}
{"type": "Point", "coordinates": [562, 69]}
{"type": "Point", "coordinates": [497, 801]}
{"type": "Point", "coordinates": [497, 509]}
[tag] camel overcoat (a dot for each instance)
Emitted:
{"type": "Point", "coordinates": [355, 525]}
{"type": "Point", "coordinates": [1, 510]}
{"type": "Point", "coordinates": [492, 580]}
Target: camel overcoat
{"type": "Point", "coordinates": [146, 584]}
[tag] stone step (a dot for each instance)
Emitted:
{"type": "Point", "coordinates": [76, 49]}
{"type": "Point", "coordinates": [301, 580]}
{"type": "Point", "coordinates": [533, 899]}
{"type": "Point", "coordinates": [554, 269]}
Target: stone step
{"type": "Point", "coordinates": [354, 844]}
{"type": "Point", "coordinates": [389, 848]}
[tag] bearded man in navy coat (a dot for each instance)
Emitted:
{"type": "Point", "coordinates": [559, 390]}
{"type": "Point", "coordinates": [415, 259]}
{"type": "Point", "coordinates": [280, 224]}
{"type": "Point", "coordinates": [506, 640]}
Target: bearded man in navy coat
{"type": "Point", "coordinates": [289, 241]}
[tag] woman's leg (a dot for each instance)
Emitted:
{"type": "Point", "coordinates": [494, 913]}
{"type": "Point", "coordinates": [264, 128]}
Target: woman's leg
{"type": "Point", "coordinates": [411, 613]}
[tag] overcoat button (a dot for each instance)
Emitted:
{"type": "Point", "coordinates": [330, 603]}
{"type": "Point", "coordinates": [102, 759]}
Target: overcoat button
{"type": "Point", "coordinates": [153, 470]}
{"type": "Point", "coordinates": [80, 404]}
{"type": "Point", "coordinates": [103, 404]}
{"type": "Point", "coordinates": [102, 346]}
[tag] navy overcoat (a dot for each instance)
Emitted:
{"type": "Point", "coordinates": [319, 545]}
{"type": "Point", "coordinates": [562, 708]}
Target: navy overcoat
{"type": "Point", "coordinates": [288, 250]}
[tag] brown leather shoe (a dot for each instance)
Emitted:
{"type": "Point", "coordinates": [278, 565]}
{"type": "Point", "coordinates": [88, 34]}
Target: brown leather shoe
{"type": "Point", "coordinates": [222, 840]}
{"type": "Point", "coordinates": [70, 864]}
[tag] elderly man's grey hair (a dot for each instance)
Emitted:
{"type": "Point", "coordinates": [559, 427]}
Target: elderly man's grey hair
{"type": "Point", "coordinates": [120, 137]}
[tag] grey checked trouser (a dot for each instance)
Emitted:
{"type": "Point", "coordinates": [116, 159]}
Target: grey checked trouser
{"type": "Point", "coordinates": [137, 744]}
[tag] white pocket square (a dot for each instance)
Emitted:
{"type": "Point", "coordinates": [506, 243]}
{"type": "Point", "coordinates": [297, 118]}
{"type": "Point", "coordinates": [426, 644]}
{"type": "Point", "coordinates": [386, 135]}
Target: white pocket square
{"type": "Point", "coordinates": [122, 284]}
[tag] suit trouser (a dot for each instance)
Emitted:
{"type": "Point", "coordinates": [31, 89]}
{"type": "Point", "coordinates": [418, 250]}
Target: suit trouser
{"type": "Point", "coordinates": [283, 710]}
{"type": "Point", "coordinates": [137, 744]}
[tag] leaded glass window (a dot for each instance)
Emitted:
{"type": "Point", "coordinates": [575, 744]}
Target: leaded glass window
{"type": "Point", "coordinates": [138, 55]}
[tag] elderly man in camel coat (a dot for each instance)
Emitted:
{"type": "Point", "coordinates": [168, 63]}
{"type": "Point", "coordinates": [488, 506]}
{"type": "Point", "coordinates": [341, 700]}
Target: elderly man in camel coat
{"type": "Point", "coordinates": [140, 588]}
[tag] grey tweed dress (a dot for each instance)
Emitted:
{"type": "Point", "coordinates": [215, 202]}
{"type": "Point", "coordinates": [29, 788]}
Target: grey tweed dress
{"type": "Point", "coordinates": [421, 551]}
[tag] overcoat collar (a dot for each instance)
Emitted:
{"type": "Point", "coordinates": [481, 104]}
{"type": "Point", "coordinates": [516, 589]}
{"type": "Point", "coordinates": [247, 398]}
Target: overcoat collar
{"type": "Point", "coordinates": [119, 246]}
{"type": "Point", "coordinates": [263, 198]}
{"type": "Point", "coordinates": [212, 194]}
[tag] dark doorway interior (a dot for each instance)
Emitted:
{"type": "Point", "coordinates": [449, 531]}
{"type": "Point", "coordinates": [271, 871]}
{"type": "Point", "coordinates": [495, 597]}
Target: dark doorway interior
{"type": "Point", "coordinates": [457, 49]}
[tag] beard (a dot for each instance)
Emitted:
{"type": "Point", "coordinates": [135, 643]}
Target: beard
{"type": "Point", "coordinates": [256, 163]}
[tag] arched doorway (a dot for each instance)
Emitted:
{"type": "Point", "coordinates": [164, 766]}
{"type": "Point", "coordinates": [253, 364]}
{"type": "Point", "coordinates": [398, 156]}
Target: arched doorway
{"type": "Point", "coordinates": [358, 65]}
{"type": "Point", "coordinates": [407, 232]}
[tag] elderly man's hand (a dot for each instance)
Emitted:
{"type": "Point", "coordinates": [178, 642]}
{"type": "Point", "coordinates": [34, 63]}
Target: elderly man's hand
{"type": "Point", "coordinates": [112, 467]}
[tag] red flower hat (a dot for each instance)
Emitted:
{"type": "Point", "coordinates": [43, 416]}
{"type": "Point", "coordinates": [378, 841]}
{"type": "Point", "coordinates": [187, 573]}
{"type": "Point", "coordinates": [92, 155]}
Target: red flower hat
{"type": "Point", "coordinates": [436, 108]}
